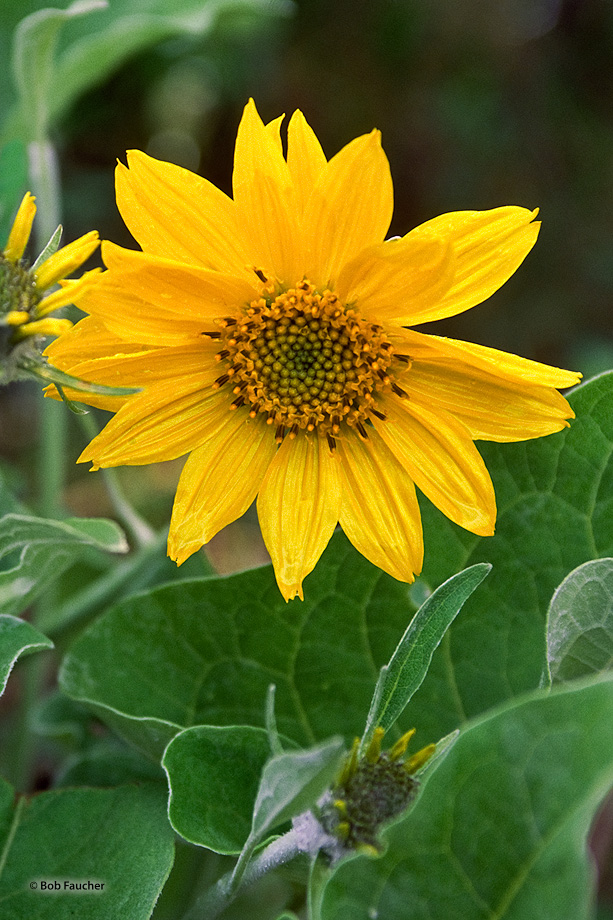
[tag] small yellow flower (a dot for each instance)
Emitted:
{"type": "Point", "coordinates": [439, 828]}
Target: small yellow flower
{"type": "Point", "coordinates": [25, 304]}
{"type": "Point", "coordinates": [268, 334]}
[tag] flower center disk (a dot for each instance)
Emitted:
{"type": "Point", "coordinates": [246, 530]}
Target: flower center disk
{"type": "Point", "coordinates": [305, 360]}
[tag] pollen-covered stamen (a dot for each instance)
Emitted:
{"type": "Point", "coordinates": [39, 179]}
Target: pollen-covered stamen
{"type": "Point", "coordinates": [307, 361]}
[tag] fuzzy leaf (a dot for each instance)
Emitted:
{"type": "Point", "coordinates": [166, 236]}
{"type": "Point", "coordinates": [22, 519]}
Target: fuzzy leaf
{"type": "Point", "coordinates": [292, 782]}
{"type": "Point", "coordinates": [46, 548]}
{"type": "Point", "coordinates": [205, 651]}
{"type": "Point", "coordinates": [17, 638]}
{"type": "Point", "coordinates": [51, 79]}
{"type": "Point", "coordinates": [580, 622]}
{"type": "Point", "coordinates": [408, 666]}
{"type": "Point", "coordinates": [213, 775]}
{"type": "Point", "coordinates": [118, 837]}
{"type": "Point", "coordinates": [33, 65]}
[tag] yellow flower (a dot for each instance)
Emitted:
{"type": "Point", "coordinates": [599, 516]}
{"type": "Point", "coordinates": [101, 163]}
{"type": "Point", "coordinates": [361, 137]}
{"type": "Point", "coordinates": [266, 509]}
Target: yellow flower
{"type": "Point", "coordinates": [25, 304]}
{"type": "Point", "coordinates": [267, 333]}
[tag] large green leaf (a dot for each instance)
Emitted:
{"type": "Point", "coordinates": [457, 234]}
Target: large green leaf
{"type": "Point", "coordinates": [580, 622]}
{"type": "Point", "coordinates": [555, 512]}
{"type": "Point", "coordinates": [205, 652]}
{"type": "Point", "coordinates": [118, 837]}
{"type": "Point", "coordinates": [46, 548]}
{"type": "Point", "coordinates": [17, 638]}
{"type": "Point", "coordinates": [500, 828]}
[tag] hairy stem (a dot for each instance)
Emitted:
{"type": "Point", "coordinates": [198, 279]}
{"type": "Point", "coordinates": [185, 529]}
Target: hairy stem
{"type": "Point", "coordinates": [214, 901]}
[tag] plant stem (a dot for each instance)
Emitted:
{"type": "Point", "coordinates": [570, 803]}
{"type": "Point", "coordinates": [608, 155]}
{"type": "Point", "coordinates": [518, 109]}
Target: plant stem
{"type": "Point", "coordinates": [139, 570]}
{"type": "Point", "coordinates": [45, 183]}
{"type": "Point", "coordinates": [44, 178]}
{"type": "Point", "coordinates": [214, 901]}
{"type": "Point", "coordinates": [137, 528]}
{"type": "Point", "coordinates": [23, 749]}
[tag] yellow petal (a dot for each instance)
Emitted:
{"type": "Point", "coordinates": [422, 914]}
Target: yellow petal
{"type": "Point", "coordinates": [274, 130]}
{"type": "Point", "coordinates": [265, 199]}
{"type": "Point", "coordinates": [21, 229]}
{"type": "Point", "coordinates": [66, 260]}
{"type": "Point", "coordinates": [305, 158]}
{"type": "Point", "coordinates": [298, 507]}
{"type": "Point", "coordinates": [174, 213]}
{"type": "Point", "coordinates": [499, 363]}
{"type": "Point", "coordinates": [398, 281]}
{"type": "Point", "coordinates": [271, 224]}
{"type": "Point", "coordinates": [489, 247]}
{"type": "Point", "coordinates": [160, 423]}
{"type": "Point", "coordinates": [350, 208]}
{"type": "Point", "coordinates": [220, 480]}
{"type": "Point", "coordinates": [492, 408]}
{"type": "Point", "coordinates": [88, 341]}
{"type": "Point", "coordinates": [142, 368]}
{"type": "Point", "coordinates": [70, 291]}
{"type": "Point", "coordinates": [442, 460]}
{"type": "Point", "coordinates": [379, 511]}
{"type": "Point", "coordinates": [89, 338]}
{"type": "Point", "coordinates": [158, 302]}
{"type": "Point", "coordinates": [48, 326]}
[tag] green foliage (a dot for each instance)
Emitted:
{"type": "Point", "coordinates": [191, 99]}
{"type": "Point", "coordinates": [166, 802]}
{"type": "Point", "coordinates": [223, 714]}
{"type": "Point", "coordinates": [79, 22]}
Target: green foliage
{"type": "Point", "coordinates": [555, 512]}
{"type": "Point", "coordinates": [118, 837]}
{"type": "Point", "coordinates": [33, 62]}
{"type": "Point", "coordinates": [405, 672]}
{"type": "Point", "coordinates": [17, 638]}
{"type": "Point", "coordinates": [13, 180]}
{"type": "Point", "coordinates": [46, 548]}
{"type": "Point", "coordinates": [215, 646]}
{"type": "Point", "coordinates": [213, 774]}
{"type": "Point", "coordinates": [183, 672]}
{"type": "Point", "coordinates": [57, 55]}
{"type": "Point", "coordinates": [580, 622]}
{"type": "Point", "coordinates": [291, 783]}
{"type": "Point", "coordinates": [500, 828]}
{"type": "Point", "coordinates": [50, 75]}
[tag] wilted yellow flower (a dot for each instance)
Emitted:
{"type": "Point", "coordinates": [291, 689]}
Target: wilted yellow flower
{"type": "Point", "coordinates": [268, 336]}
{"type": "Point", "coordinates": [25, 307]}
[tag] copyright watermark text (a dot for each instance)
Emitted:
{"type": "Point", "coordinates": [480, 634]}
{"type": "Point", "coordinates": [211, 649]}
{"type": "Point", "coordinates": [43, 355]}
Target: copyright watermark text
{"type": "Point", "coordinates": [66, 884]}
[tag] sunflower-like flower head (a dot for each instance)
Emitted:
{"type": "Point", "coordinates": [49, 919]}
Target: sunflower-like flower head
{"type": "Point", "coordinates": [26, 303]}
{"type": "Point", "coordinates": [371, 791]}
{"type": "Point", "coordinates": [268, 336]}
